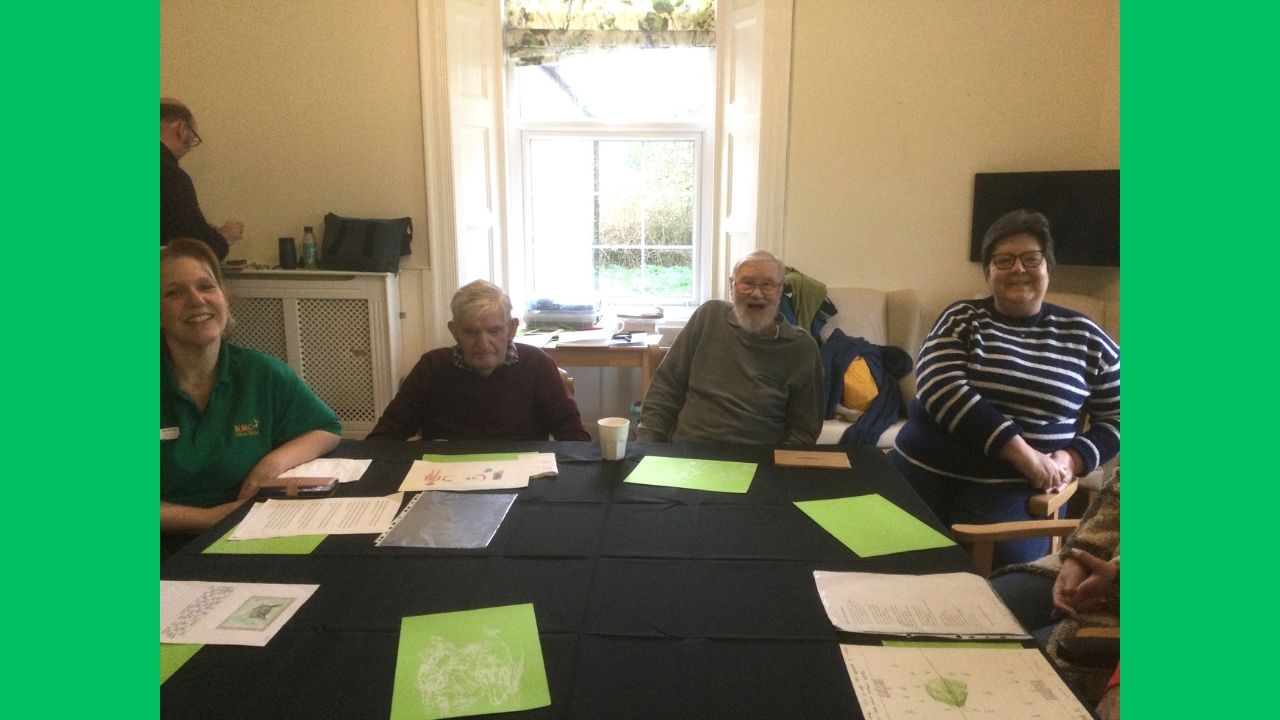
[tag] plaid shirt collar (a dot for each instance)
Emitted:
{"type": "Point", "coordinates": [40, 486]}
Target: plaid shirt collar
{"type": "Point", "coordinates": [459, 360]}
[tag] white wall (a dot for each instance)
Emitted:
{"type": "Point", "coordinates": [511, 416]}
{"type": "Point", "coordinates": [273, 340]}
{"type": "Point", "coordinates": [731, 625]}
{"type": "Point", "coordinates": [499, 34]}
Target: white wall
{"type": "Point", "coordinates": [305, 108]}
{"type": "Point", "coordinates": [897, 103]}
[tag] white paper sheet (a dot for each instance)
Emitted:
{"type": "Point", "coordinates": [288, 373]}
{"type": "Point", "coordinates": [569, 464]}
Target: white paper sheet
{"type": "Point", "coordinates": [895, 683]}
{"type": "Point", "coordinates": [584, 338]}
{"type": "Point", "coordinates": [539, 340]}
{"type": "Point", "coordinates": [540, 464]}
{"type": "Point", "coordinates": [959, 605]}
{"type": "Point", "coordinates": [488, 475]}
{"type": "Point", "coordinates": [343, 469]}
{"type": "Point", "coordinates": [324, 516]}
{"type": "Point", "coordinates": [227, 613]}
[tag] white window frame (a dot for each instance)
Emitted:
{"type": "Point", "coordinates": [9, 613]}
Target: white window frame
{"type": "Point", "coordinates": [749, 174]}
{"type": "Point", "coordinates": [520, 226]}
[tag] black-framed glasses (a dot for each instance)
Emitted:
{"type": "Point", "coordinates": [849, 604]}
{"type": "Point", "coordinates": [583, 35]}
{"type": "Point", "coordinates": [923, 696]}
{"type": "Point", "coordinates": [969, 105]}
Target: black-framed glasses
{"type": "Point", "coordinates": [768, 287]}
{"type": "Point", "coordinates": [1029, 259]}
{"type": "Point", "coordinates": [196, 141]}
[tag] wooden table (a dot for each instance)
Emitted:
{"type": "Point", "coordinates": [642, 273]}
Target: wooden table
{"type": "Point", "coordinates": [644, 357]}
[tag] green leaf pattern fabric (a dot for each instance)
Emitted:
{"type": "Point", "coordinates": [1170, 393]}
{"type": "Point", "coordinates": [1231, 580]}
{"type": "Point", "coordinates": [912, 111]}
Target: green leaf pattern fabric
{"type": "Point", "coordinates": [539, 32]}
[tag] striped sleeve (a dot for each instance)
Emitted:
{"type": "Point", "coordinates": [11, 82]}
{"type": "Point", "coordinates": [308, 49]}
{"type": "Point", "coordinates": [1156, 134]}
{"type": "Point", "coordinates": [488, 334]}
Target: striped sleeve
{"type": "Point", "coordinates": [1101, 441]}
{"type": "Point", "coordinates": [944, 389]}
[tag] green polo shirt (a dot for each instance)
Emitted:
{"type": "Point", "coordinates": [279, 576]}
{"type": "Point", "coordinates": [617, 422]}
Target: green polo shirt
{"type": "Point", "coordinates": [257, 404]}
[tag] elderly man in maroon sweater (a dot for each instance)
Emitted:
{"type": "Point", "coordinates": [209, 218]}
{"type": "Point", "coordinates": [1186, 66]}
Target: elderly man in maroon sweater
{"type": "Point", "coordinates": [486, 387]}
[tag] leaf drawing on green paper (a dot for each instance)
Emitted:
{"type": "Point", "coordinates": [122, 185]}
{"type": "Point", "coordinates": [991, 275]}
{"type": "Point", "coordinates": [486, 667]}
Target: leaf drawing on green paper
{"type": "Point", "coordinates": [454, 677]}
{"type": "Point", "coordinates": [946, 690]}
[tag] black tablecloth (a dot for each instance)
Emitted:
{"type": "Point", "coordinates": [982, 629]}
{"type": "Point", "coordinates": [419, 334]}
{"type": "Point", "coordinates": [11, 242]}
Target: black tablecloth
{"type": "Point", "coordinates": [651, 602]}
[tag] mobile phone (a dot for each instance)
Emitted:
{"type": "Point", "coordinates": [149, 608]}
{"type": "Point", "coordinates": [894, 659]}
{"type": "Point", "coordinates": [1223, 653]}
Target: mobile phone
{"type": "Point", "coordinates": [298, 487]}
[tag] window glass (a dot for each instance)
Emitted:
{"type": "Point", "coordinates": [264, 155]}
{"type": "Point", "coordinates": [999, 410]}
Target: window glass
{"type": "Point", "coordinates": [613, 217]}
{"type": "Point", "coordinates": [628, 85]}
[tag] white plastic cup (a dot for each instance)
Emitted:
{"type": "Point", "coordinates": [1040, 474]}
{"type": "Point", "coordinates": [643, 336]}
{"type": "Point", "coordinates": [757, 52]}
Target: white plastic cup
{"type": "Point", "coordinates": [613, 437]}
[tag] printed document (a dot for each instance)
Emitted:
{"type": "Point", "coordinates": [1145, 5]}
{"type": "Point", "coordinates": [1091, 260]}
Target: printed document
{"type": "Point", "coordinates": [227, 613]}
{"type": "Point", "coordinates": [958, 605]}
{"type": "Point", "coordinates": [324, 516]}
{"type": "Point", "coordinates": [902, 683]}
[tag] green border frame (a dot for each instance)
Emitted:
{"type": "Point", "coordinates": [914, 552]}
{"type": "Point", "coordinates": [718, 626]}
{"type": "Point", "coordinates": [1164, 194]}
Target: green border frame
{"type": "Point", "coordinates": [79, 293]}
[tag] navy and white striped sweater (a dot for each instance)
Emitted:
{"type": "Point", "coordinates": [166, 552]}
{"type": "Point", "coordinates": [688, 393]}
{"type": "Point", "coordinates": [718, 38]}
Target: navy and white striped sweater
{"type": "Point", "coordinates": [985, 378]}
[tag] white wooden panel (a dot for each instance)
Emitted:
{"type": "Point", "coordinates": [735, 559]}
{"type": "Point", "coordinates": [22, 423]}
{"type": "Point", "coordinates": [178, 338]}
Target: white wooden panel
{"type": "Point", "coordinates": [476, 254]}
{"type": "Point", "coordinates": [745, 63]}
{"type": "Point", "coordinates": [475, 188]}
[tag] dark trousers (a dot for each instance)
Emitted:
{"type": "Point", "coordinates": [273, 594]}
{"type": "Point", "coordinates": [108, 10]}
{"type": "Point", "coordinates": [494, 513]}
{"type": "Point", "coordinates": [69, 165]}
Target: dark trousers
{"type": "Point", "coordinates": [957, 501]}
{"type": "Point", "coordinates": [1030, 598]}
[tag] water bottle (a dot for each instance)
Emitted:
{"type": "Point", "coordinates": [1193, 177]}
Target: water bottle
{"type": "Point", "coordinates": [635, 418]}
{"type": "Point", "coordinates": [308, 248]}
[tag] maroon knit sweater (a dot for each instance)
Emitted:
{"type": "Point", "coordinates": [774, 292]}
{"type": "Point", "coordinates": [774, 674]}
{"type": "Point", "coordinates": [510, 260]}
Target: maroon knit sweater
{"type": "Point", "coordinates": [524, 401]}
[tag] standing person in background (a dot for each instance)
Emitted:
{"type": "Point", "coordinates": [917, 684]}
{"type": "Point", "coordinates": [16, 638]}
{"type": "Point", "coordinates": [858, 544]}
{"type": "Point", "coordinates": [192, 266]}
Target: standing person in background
{"type": "Point", "coordinates": [180, 214]}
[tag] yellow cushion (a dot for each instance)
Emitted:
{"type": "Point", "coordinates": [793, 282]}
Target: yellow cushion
{"type": "Point", "coordinates": [859, 386]}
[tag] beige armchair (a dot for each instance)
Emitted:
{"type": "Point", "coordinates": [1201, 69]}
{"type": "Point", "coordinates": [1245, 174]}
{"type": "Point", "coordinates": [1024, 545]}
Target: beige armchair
{"type": "Point", "coordinates": [1107, 315]}
{"type": "Point", "coordinates": [883, 318]}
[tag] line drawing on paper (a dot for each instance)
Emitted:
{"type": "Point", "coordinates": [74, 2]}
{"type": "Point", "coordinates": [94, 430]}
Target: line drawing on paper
{"type": "Point", "coordinates": [947, 690]}
{"type": "Point", "coordinates": [454, 677]}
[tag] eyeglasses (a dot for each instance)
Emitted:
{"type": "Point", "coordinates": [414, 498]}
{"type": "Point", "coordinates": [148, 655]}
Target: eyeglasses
{"type": "Point", "coordinates": [747, 287]}
{"type": "Point", "coordinates": [196, 141]}
{"type": "Point", "coordinates": [1031, 259]}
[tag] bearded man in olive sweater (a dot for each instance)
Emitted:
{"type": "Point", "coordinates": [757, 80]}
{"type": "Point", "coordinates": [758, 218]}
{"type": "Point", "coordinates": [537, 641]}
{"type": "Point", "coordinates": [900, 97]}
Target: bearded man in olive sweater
{"type": "Point", "coordinates": [486, 387]}
{"type": "Point", "coordinates": [738, 373]}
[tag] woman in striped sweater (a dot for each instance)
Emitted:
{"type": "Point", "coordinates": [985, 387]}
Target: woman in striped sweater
{"type": "Point", "coordinates": [1004, 383]}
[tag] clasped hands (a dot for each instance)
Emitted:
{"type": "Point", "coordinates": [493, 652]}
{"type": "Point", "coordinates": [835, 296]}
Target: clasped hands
{"type": "Point", "coordinates": [1050, 472]}
{"type": "Point", "coordinates": [1086, 583]}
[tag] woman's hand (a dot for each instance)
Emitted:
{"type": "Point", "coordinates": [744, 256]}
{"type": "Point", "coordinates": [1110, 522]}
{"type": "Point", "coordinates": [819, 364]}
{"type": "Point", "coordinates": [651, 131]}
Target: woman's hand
{"type": "Point", "coordinates": [187, 520]}
{"type": "Point", "coordinates": [304, 448]}
{"type": "Point", "coordinates": [1085, 583]}
{"type": "Point", "coordinates": [1070, 460]}
{"type": "Point", "coordinates": [1041, 470]}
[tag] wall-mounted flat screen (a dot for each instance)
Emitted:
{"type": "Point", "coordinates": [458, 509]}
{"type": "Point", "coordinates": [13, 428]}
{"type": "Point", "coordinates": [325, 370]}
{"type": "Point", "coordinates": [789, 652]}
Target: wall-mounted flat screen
{"type": "Point", "coordinates": [1083, 207]}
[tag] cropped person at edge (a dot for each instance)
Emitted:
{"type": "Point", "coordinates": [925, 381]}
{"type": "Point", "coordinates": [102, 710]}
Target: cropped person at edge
{"type": "Point", "coordinates": [230, 417]}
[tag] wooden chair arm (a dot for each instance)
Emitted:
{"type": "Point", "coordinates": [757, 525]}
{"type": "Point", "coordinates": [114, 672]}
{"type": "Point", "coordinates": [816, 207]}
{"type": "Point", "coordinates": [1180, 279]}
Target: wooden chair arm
{"type": "Point", "coordinates": [997, 532]}
{"type": "Point", "coordinates": [1047, 504]}
{"type": "Point", "coordinates": [980, 540]}
{"type": "Point", "coordinates": [1099, 632]}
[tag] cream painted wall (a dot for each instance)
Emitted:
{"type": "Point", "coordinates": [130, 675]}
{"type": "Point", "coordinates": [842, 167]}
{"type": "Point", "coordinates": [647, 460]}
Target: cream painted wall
{"type": "Point", "coordinates": [305, 108]}
{"type": "Point", "coordinates": [897, 103]}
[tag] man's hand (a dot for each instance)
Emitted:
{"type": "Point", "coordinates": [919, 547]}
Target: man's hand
{"type": "Point", "coordinates": [232, 231]}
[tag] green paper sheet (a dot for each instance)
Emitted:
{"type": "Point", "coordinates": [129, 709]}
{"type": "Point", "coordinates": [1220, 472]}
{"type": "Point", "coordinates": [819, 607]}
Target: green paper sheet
{"type": "Point", "coordinates": [473, 662]}
{"type": "Point", "coordinates": [173, 657]}
{"type": "Point", "coordinates": [296, 545]}
{"type": "Point", "coordinates": [714, 475]}
{"type": "Point", "coordinates": [957, 644]}
{"type": "Point", "coordinates": [870, 525]}
{"type": "Point", "coordinates": [478, 457]}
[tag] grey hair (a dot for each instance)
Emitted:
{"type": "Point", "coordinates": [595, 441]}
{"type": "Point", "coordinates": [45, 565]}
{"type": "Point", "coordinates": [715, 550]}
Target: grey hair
{"type": "Point", "coordinates": [1018, 222]}
{"type": "Point", "coordinates": [763, 256]}
{"type": "Point", "coordinates": [477, 297]}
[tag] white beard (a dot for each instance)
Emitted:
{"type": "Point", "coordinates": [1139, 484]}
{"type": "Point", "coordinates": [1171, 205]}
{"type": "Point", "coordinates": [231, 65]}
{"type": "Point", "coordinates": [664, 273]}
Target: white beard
{"type": "Point", "coordinates": [764, 326]}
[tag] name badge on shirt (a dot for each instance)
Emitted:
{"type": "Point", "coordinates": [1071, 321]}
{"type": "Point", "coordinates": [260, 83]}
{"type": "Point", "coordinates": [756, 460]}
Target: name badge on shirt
{"type": "Point", "coordinates": [169, 433]}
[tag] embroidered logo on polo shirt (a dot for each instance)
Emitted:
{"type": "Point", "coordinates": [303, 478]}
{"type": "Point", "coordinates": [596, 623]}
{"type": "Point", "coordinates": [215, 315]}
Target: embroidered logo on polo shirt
{"type": "Point", "coordinates": [247, 430]}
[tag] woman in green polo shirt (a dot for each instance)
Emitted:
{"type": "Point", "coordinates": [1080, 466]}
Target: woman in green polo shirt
{"type": "Point", "coordinates": [230, 417]}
